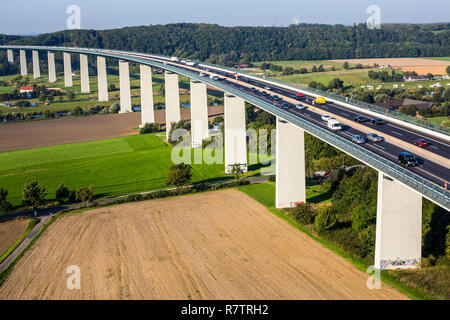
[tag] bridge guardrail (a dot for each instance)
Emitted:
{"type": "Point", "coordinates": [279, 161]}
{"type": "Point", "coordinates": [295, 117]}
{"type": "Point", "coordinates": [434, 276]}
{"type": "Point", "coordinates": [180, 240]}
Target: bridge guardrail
{"type": "Point", "coordinates": [426, 188]}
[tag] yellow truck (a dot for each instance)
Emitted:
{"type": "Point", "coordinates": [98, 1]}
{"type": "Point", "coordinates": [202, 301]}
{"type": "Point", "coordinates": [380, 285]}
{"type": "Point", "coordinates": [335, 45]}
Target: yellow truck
{"type": "Point", "coordinates": [320, 100]}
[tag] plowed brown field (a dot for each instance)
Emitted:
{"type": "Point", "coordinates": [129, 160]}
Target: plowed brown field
{"type": "Point", "coordinates": [10, 232]}
{"type": "Point", "coordinates": [216, 245]}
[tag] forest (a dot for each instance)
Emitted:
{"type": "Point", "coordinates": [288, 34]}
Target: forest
{"type": "Point", "coordinates": [231, 45]}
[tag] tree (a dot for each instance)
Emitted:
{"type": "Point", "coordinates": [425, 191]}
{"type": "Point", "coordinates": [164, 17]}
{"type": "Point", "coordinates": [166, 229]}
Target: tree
{"type": "Point", "coordinates": [62, 193]}
{"type": "Point", "coordinates": [314, 69]}
{"type": "Point", "coordinates": [430, 76]}
{"type": "Point", "coordinates": [150, 128]}
{"type": "Point", "coordinates": [362, 217]}
{"type": "Point", "coordinates": [179, 175]}
{"type": "Point", "coordinates": [303, 213]}
{"type": "Point", "coordinates": [42, 97]}
{"type": "Point", "coordinates": [85, 194]}
{"type": "Point", "coordinates": [5, 205]}
{"type": "Point", "coordinates": [236, 170]}
{"type": "Point", "coordinates": [71, 96]}
{"type": "Point", "coordinates": [33, 195]}
{"type": "Point", "coordinates": [346, 65]}
{"type": "Point", "coordinates": [325, 220]}
{"type": "Point", "coordinates": [336, 83]}
{"type": "Point", "coordinates": [78, 111]}
{"type": "Point", "coordinates": [448, 70]}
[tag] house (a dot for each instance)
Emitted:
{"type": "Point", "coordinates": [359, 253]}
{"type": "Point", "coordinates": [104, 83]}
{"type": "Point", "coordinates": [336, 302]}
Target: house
{"type": "Point", "coordinates": [415, 78]}
{"type": "Point", "coordinates": [27, 91]}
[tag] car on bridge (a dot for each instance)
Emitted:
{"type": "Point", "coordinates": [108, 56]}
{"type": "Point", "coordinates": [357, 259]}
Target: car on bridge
{"type": "Point", "coordinates": [374, 137]}
{"type": "Point", "coordinates": [356, 138]}
{"type": "Point", "coordinates": [325, 117]}
{"type": "Point", "coordinates": [320, 100]}
{"type": "Point", "coordinates": [300, 106]}
{"type": "Point", "coordinates": [359, 119]}
{"type": "Point", "coordinates": [377, 121]}
{"type": "Point", "coordinates": [407, 159]}
{"type": "Point", "coordinates": [334, 125]}
{"type": "Point", "coordinates": [267, 88]}
{"type": "Point", "coordinates": [421, 143]}
{"type": "Point", "coordinates": [299, 96]}
{"type": "Point", "coordinates": [276, 98]}
{"type": "Point", "coordinates": [286, 106]}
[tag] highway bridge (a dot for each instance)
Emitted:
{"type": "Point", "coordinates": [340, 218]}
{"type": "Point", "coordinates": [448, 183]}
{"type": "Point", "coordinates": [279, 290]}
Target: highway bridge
{"type": "Point", "coordinates": [400, 189]}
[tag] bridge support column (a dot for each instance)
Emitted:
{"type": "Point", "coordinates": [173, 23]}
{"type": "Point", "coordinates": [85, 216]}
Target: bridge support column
{"type": "Point", "coordinates": [36, 69]}
{"type": "Point", "coordinates": [147, 107]}
{"type": "Point", "coordinates": [23, 63]}
{"type": "Point", "coordinates": [199, 113]}
{"type": "Point", "coordinates": [173, 113]}
{"type": "Point", "coordinates": [84, 74]}
{"type": "Point", "coordinates": [125, 90]}
{"type": "Point", "coordinates": [102, 80]}
{"type": "Point", "coordinates": [235, 133]}
{"type": "Point", "coordinates": [290, 165]}
{"type": "Point", "coordinates": [67, 70]}
{"type": "Point", "coordinates": [51, 67]}
{"type": "Point", "coordinates": [399, 226]}
{"type": "Point", "coordinates": [10, 55]}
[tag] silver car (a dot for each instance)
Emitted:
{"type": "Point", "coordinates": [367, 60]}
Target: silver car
{"type": "Point", "coordinates": [374, 137]}
{"type": "Point", "coordinates": [356, 138]}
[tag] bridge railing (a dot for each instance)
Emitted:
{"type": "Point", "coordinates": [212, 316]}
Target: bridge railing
{"type": "Point", "coordinates": [367, 106]}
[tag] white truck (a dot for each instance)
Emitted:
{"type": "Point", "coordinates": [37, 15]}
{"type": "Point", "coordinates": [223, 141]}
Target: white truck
{"type": "Point", "coordinates": [334, 125]}
{"type": "Point", "coordinates": [175, 59]}
{"type": "Point", "coordinates": [214, 76]}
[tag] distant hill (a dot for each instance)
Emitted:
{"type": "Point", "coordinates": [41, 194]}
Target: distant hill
{"type": "Point", "coordinates": [230, 45]}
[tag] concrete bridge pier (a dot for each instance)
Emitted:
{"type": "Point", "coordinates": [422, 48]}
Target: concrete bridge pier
{"type": "Point", "coordinates": [10, 55]}
{"type": "Point", "coordinates": [199, 113]}
{"type": "Point", "coordinates": [125, 90]}
{"type": "Point", "coordinates": [102, 79]}
{"type": "Point", "coordinates": [68, 82]}
{"type": "Point", "coordinates": [399, 226]}
{"type": "Point", "coordinates": [147, 107]}
{"type": "Point", "coordinates": [290, 165]}
{"type": "Point", "coordinates": [235, 133]}
{"type": "Point", "coordinates": [51, 67]}
{"type": "Point", "coordinates": [173, 113]}
{"type": "Point", "coordinates": [84, 74]}
{"type": "Point", "coordinates": [36, 69]}
{"type": "Point", "coordinates": [23, 63]}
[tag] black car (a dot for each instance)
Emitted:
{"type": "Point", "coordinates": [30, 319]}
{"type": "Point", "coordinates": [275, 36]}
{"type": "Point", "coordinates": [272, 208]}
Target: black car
{"type": "Point", "coordinates": [377, 121]}
{"type": "Point", "coordinates": [285, 106]}
{"type": "Point", "coordinates": [358, 119]}
{"type": "Point", "coordinates": [407, 159]}
{"type": "Point", "coordinates": [264, 93]}
{"type": "Point", "coordinates": [276, 98]}
{"type": "Point", "coordinates": [252, 89]}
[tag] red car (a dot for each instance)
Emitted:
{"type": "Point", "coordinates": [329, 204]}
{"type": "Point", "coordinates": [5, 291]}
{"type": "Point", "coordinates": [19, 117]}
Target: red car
{"type": "Point", "coordinates": [421, 143]}
{"type": "Point", "coordinates": [299, 96]}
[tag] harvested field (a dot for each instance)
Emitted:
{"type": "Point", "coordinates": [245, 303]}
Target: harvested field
{"type": "Point", "coordinates": [26, 135]}
{"type": "Point", "coordinates": [221, 245]}
{"type": "Point", "coordinates": [10, 232]}
{"type": "Point", "coordinates": [421, 66]}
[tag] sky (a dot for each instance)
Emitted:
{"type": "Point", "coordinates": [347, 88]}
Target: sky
{"type": "Point", "coordinates": [43, 16]}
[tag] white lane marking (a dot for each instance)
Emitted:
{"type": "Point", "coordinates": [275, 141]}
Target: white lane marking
{"type": "Point", "coordinates": [420, 169]}
{"type": "Point", "coordinates": [435, 147]}
{"type": "Point", "coordinates": [378, 146]}
{"type": "Point", "coordinates": [346, 114]}
{"type": "Point", "coordinates": [418, 134]}
{"type": "Point", "coordinates": [397, 133]}
{"type": "Point", "coordinates": [307, 115]}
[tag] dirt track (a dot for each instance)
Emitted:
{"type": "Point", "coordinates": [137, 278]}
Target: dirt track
{"type": "Point", "coordinates": [421, 66]}
{"type": "Point", "coordinates": [26, 135]}
{"type": "Point", "coordinates": [221, 245]}
{"type": "Point", "coordinates": [10, 232]}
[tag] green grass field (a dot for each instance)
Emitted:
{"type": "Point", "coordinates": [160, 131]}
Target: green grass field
{"type": "Point", "coordinates": [114, 166]}
{"type": "Point", "coordinates": [437, 58]}
{"type": "Point", "coordinates": [438, 120]}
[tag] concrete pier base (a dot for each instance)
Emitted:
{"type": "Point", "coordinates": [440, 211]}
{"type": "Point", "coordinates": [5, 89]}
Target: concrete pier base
{"type": "Point", "coordinates": [68, 82]}
{"type": "Point", "coordinates": [125, 90]}
{"type": "Point", "coordinates": [173, 113]}
{"type": "Point", "coordinates": [398, 242]}
{"type": "Point", "coordinates": [10, 55]}
{"type": "Point", "coordinates": [36, 69]}
{"type": "Point", "coordinates": [147, 107]}
{"type": "Point", "coordinates": [84, 74]}
{"type": "Point", "coordinates": [23, 63]}
{"type": "Point", "coordinates": [51, 67]}
{"type": "Point", "coordinates": [199, 113]}
{"type": "Point", "coordinates": [102, 80]}
{"type": "Point", "coordinates": [235, 133]}
{"type": "Point", "coordinates": [290, 165]}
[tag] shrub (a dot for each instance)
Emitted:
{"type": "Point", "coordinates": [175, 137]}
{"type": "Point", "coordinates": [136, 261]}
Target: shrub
{"type": "Point", "coordinates": [326, 186]}
{"type": "Point", "coordinates": [114, 108]}
{"type": "Point", "coordinates": [367, 237]}
{"type": "Point", "coordinates": [179, 175]}
{"type": "Point", "coordinates": [303, 213]}
{"type": "Point", "coordinates": [362, 217]}
{"type": "Point", "coordinates": [325, 220]}
{"type": "Point", "coordinates": [150, 128]}
{"type": "Point", "coordinates": [72, 196]}
{"type": "Point", "coordinates": [273, 178]}
{"type": "Point", "coordinates": [62, 193]}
